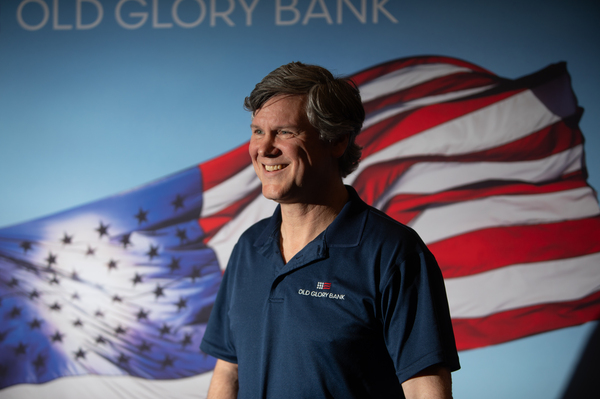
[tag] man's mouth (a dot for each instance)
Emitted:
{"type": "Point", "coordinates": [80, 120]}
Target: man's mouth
{"type": "Point", "coordinates": [271, 168]}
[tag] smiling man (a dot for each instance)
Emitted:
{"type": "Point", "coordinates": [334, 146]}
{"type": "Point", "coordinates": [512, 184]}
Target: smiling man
{"type": "Point", "coordinates": [328, 298]}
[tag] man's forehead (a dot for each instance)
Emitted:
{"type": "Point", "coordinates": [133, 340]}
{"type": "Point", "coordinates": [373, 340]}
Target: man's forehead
{"type": "Point", "coordinates": [288, 110]}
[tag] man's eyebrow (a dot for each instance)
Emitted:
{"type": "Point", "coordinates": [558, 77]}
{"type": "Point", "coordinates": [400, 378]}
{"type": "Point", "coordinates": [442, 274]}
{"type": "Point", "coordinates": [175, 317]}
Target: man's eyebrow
{"type": "Point", "coordinates": [252, 125]}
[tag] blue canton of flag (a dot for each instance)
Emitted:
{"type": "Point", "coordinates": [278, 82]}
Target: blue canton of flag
{"type": "Point", "coordinates": [121, 286]}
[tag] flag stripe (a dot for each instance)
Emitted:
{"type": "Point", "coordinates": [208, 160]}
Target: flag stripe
{"type": "Point", "coordinates": [389, 67]}
{"type": "Point", "coordinates": [438, 223]}
{"type": "Point", "coordinates": [234, 189]}
{"type": "Point", "coordinates": [479, 295]}
{"type": "Point", "coordinates": [402, 202]}
{"type": "Point", "coordinates": [522, 322]}
{"type": "Point", "coordinates": [493, 248]}
{"type": "Point", "coordinates": [218, 170]}
{"type": "Point", "coordinates": [401, 109]}
{"type": "Point", "coordinates": [425, 92]}
{"type": "Point", "coordinates": [224, 239]}
{"type": "Point", "coordinates": [431, 177]}
{"type": "Point", "coordinates": [401, 80]}
{"type": "Point", "coordinates": [211, 224]}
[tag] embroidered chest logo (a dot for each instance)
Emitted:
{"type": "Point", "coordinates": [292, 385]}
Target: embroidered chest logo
{"type": "Point", "coordinates": [322, 293]}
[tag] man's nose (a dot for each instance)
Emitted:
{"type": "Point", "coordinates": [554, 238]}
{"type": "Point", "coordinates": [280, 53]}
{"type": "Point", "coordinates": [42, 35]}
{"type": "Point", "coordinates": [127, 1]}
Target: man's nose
{"type": "Point", "coordinates": [267, 146]}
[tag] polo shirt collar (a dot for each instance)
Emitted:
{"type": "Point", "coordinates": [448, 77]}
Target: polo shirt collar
{"type": "Point", "coordinates": [347, 228]}
{"type": "Point", "coordinates": [345, 231]}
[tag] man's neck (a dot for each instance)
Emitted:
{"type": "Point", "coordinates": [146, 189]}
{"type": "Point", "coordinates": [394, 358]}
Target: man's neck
{"type": "Point", "coordinates": [302, 223]}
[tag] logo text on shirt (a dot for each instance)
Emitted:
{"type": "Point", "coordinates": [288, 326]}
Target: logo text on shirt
{"type": "Point", "coordinates": [321, 294]}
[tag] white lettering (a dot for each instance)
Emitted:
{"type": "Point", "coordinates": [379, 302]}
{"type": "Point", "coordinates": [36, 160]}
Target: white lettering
{"type": "Point", "coordinates": [291, 7]}
{"type": "Point", "coordinates": [25, 25]}
{"type": "Point", "coordinates": [323, 14]}
{"type": "Point", "coordinates": [142, 15]}
{"type": "Point", "coordinates": [99, 16]}
{"type": "Point", "coordinates": [249, 10]}
{"type": "Point", "coordinates": [224, 14]}
{"type": "Point", "coordinates": [155, 23]}
{"type": "Point", "coordinates": [362, 16]}
{"type": "Point", "coordinates": [190, 24]}
{"type": "Point", "coordinates": [377, 6]}
{"type": "Point", "coordinates": [321, 294]}
{"type": "Point", "coordinates": [55, 24]}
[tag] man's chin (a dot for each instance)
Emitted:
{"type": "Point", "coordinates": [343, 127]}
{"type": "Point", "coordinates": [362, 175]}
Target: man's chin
{"type": "Point", "coordinates": [279, 196]}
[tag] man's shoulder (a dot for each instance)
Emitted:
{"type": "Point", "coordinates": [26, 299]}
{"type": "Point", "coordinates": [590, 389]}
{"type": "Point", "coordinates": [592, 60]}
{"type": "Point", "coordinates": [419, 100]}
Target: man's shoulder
{"type": "Point", "coordinates": [378, 219]}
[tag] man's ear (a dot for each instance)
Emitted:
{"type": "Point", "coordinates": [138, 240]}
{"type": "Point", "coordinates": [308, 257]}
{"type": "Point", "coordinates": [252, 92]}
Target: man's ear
{"type": "Point", "coordinates": [339, 147]}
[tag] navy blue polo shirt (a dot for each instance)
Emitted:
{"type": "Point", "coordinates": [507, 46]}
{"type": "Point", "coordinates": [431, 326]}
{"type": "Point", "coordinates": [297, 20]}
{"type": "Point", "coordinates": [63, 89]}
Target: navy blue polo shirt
{"type": "Point", "coordinates": [358, 311]}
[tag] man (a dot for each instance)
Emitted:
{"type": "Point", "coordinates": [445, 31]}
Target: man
{"type": "Point", "coordinates": [328, 298]}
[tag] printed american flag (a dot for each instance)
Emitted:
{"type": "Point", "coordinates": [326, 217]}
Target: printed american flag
{"type": "Point", "coordinates": [489, 171]}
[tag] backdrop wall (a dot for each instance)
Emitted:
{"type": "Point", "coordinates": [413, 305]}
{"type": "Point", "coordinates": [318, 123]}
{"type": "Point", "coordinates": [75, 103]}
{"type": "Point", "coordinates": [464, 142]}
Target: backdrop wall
{"type": "Point", "coordinates": [99, 96]}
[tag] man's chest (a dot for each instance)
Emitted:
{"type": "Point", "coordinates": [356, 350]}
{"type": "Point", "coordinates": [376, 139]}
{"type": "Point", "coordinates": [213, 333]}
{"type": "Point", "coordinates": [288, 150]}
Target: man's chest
{"type": "Point", "coordinates": [311, 303]}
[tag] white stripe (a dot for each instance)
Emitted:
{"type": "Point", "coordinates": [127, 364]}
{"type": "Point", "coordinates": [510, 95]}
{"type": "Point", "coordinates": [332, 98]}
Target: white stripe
{"type": "Point", "coordinates": [404, 78]}
{"type": "Point", "coordinates": [523, 285]}
{"type": "Point", "coordinates": [395, 109]}
{"type": "Point", "coordinates": [226, 238]}
{"type": "Point", "coordinates": [499, 123]}
{"type": "Point", "coordinates": [100, 387]}
{"type": "Point", "coordinates": [433, 177]}
{"type": "Point", "coordinates": [229, 191]}
{"type": "Point", "coordinates": [438, 223]}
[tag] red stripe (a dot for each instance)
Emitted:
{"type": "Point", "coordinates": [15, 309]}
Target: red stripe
{"type": "Point", "coordinates": [489, 249]}
{"type": "Point", "coordinates": [223, 167]}
{"type": "Point", "coordinates": [374, 180]}
{"type": "Point", "coordinates": [385, 68]}
{"type": "Point", "coordinates": [550, 140]}
{"type": "Point", "coordinates": [523, 322]}
{"type": "Point", "coordinates": [443, 85]}
{"type": "Point", "coordinates": [405, 207]}
{"type": "Point", "coordinates": [213, 223]}
{"type": "Point", "coordinates": [404, 125]}
{"type": "Point", "coordinates": [419, 202]}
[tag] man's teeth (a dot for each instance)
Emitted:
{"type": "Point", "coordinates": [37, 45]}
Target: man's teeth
{"type": "Point", "coordinates": [271, 168]}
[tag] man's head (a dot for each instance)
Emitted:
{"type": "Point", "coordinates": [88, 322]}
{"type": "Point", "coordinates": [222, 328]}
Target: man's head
{"type": "Point", "coordinates": [333, 105]}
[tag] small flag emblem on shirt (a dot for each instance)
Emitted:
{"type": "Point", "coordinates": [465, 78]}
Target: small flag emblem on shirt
{"type": "Point", "coordinates": [323, 286]}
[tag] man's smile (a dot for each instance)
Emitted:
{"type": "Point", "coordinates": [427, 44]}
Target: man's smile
{"type": "Point", "coordinates": [271, 168]}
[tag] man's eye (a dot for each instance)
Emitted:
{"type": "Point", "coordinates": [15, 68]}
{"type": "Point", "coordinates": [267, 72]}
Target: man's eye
{"type": "Point", "coordinates": [257, 131]}
{"type": "Point", "coordinates": [284, 132]}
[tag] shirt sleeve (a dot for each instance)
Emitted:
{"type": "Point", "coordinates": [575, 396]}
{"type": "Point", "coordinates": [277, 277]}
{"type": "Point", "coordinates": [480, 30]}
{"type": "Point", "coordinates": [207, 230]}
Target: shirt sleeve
{"type": "Point", "coordinates": [218, 340]}
{"type": "Point", "coordinates": [416, 318]}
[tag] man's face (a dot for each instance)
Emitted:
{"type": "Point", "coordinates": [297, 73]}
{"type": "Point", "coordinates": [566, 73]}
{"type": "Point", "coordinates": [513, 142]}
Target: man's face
{"type": "Point", "coordinates": [292, 163]}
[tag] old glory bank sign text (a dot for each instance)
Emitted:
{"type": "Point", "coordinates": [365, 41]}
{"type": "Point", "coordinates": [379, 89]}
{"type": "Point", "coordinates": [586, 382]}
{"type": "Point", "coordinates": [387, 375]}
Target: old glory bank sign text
{"type": "Point", "coordinates": [33, 15]}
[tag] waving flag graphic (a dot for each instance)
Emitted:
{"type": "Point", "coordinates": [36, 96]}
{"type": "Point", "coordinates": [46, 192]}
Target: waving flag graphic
{"type": "Point", "coordinates": [489, 171]}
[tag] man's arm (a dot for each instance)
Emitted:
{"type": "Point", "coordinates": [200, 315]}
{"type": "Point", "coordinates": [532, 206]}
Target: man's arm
{"type": "Point", "coordinates": [434, 382]}
{"type": "Point", "coordinates": [224, 382]}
